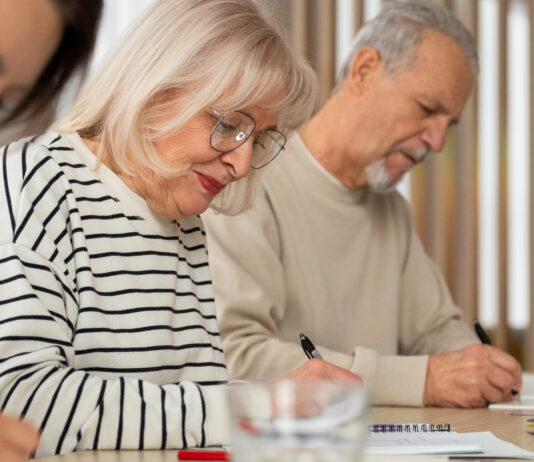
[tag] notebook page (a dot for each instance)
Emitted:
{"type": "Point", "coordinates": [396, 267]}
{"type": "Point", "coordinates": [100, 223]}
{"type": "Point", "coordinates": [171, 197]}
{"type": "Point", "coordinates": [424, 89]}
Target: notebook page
{"type": "Point", "coordinates": [420, 443]}
{"type": "Point", "coordinates": [452, 443]}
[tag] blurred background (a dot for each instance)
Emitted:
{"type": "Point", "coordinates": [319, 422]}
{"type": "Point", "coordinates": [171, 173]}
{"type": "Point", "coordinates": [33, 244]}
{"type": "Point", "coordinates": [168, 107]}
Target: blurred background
{"type": "Point", "coordinates": [473, 204]}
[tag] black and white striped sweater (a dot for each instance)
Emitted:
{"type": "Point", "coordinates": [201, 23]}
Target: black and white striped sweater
{"type": "Point", "coordinates": [108, 335]}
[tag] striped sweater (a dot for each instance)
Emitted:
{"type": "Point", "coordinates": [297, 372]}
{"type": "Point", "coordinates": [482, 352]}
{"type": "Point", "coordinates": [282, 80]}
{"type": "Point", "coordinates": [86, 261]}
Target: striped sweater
{"type": "Point", "coordinates": [108, 335]}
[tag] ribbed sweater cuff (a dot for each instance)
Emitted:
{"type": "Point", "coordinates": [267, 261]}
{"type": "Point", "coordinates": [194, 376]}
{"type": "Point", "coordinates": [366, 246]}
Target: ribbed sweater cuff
{"type": "Point", "coordinates": [399, 380]}
{"type": "Point", "coordinates": [218, 420]}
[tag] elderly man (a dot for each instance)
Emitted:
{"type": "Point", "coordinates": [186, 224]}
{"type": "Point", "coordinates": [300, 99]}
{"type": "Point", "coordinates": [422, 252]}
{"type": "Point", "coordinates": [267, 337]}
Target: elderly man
{"type": "Point", "coordinates": [329, 249]}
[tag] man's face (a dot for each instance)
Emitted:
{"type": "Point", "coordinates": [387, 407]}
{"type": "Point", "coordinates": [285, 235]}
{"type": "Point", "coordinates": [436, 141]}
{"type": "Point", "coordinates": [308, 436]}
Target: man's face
{"type": "Point", "coordinates": [410, 112]}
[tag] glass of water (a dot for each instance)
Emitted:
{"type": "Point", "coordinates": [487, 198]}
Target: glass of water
{"type": "Point", "coordinates": [297, 421]}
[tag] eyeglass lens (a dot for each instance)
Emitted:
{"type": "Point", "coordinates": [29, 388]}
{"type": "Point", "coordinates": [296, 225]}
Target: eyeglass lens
{"type": "Point", "coordinates": [266, 145]}
{"type": "Point", "coordinates": [234, 128]}
{"type": "Point", "coordinates": [231, 131]}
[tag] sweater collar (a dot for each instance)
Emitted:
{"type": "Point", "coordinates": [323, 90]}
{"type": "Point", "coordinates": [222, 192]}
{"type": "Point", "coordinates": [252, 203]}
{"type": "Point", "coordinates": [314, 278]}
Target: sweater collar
{"type": "Point", "coordinates": [316, 174]}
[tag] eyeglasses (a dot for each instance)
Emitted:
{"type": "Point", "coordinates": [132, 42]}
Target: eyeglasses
{"type": "Point", "coordinates": [234, 128]}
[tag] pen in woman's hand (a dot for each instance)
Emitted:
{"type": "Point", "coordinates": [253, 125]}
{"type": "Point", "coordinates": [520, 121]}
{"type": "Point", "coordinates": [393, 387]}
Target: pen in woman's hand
{"type": "Point", "coordinates": [486, 341]}
{"type": "Point", "coordinates": [309, 348]}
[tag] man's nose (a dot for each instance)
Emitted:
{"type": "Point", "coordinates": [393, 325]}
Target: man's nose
{"type": "Point", "coordinates": [238, 160]}
{"type": "Point", "coordinates": [435, 136]}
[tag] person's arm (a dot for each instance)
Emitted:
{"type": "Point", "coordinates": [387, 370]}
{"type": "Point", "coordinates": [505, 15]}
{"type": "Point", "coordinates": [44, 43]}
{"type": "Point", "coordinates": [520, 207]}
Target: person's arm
{"type": "Point", "coordinates": [247, 273]}
{"type": "Point", "coordinates": [17, 439]}
{"type": "Point", "coordinates": [41, 371]}
{"type": "Point", "coordinates": [460, 371]}
{"type": "Point", "coordinates": [76, 409]}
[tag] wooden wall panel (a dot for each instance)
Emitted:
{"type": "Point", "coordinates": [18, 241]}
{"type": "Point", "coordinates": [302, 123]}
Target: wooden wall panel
{"type": "Point", "coordinates": [501, 333]}
{"type": "Point", "coordinates": [464, 243]}
{"type": "Point", "coordinates": [529, 347]}
{"type": "Point", "coordinates": [325, 45]}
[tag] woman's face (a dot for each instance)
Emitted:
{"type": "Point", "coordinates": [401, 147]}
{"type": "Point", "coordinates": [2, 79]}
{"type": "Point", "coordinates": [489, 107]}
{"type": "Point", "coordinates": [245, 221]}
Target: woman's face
{"type": "Point", "coordinates": [208, 171]}
{"type": "Point", "coordinates": [30, 32]}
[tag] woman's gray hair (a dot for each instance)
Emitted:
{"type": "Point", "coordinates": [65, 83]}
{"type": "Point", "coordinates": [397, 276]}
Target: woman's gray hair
{"type": "Point", "coordinates": [183, 57]}
{"type": "Point", "coordinates": [399, 27]}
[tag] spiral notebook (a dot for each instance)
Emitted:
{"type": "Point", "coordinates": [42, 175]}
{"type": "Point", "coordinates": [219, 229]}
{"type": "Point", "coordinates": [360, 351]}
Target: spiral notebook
{"type": "Point", "coordinates": [417, 439]}
{"type": "Point", "coordinates": [439, 439]}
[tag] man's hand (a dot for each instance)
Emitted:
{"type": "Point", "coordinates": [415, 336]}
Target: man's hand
{"type": "Point", "coordinates": [316, 370]}
{"type": "Point", "coordinates": [17, 439]}
{"type": "Point", "coordinates": [471, 377]}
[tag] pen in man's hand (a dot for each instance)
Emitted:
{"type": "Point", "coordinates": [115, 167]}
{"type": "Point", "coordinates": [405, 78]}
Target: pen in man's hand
{"type": "Point", "coordinates": [309, 348]}
{"type": "Point", "coordinates": [486, 341]}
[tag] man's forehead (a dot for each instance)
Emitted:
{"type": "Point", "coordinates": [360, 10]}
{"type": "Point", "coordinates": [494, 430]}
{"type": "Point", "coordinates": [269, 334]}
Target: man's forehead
{"type": "Point", "coordinates": [441, 71]}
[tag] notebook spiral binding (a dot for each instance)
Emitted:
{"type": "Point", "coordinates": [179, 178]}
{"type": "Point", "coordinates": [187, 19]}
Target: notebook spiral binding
{"type": "Point", "coordinates": [409, 428]}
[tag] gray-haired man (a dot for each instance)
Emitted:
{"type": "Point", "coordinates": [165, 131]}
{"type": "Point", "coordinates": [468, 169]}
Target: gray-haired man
{"type": "Point", "coordinates": [329, 247]}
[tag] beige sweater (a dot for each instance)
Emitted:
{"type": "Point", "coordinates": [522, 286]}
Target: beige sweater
{"type": "Point", "coordinates": [346, 268]}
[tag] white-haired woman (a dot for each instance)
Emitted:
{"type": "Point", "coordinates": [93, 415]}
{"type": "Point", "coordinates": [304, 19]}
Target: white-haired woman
{"type": "Point", "coordinates": [108, 332]}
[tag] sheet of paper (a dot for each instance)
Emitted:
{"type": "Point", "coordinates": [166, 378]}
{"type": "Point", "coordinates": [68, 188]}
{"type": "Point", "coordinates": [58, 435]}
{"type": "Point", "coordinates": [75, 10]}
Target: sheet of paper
{"type": "Point", "coordinates": [527, 403]}
{"type": "Point", "coordinates": [420, 443]}
{"type": "Point", "coordinates": [469, 445]}
{"type": "Point", "coordinates": [405, 458]}
{"type": "Point", "coordinates": [493, 447]}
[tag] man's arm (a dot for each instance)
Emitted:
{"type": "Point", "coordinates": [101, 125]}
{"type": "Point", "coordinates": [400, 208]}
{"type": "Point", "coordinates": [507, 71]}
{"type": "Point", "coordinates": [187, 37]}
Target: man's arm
{"type": "Point", "coordinates": [460, 371]}
{"type": "Point", "coordinates": [250, 293]}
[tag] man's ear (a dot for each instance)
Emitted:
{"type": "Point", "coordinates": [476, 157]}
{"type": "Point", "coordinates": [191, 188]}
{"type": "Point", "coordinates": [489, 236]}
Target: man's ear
{"type": "Point", "coordinates": [364, 69]}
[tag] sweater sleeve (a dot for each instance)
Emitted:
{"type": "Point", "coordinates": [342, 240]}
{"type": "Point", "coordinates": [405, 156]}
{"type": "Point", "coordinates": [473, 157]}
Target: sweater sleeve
{"type": "Point", "coordinates": [76, 409]}
{"type": "Point", "coordinates": [430, 321]}
{"type": "Point", "coordinates": [250, 294]}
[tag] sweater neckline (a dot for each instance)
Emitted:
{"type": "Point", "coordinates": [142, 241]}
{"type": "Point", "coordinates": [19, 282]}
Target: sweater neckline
{"type": "Point", "coordinates": [135, 203]}
{"type": "Point", "coordinates": [318, 175]}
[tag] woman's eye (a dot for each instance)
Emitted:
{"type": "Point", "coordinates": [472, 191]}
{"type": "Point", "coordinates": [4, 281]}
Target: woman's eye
{"type": "Point", "coordinates": [227, 126]}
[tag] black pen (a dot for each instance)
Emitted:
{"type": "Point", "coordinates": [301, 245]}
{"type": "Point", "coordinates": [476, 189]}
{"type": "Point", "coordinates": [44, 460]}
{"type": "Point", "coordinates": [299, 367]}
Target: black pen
{"type": "Point", "coordinates": [309, 348]}
{"type": "Point", "coordinates": [486, 341]}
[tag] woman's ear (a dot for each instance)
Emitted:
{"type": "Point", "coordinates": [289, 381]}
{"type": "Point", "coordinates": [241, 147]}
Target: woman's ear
{"type": "Point", "coordinates": [364, 70]}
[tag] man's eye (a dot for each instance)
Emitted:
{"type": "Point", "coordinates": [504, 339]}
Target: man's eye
{"type": "Point", "coordinates": [427, 110]}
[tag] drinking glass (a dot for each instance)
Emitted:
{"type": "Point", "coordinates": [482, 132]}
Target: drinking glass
{"type": "Point", "coordinates": [297, 421]}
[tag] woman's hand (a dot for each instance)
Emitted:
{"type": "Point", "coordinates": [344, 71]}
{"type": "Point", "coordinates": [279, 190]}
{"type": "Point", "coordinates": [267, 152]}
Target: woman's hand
{"type": "Point", "coordinates": [17, 439]}
{"type": "Point", "coordinates": [310, 400]}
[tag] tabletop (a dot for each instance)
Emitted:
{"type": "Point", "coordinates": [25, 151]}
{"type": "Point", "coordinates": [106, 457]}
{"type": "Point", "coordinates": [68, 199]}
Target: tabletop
{"type": "Point", "coordinates": [500, 423]}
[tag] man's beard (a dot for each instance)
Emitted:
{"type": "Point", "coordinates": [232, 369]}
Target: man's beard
{"type": "Point", "coordinates": [378, 178]}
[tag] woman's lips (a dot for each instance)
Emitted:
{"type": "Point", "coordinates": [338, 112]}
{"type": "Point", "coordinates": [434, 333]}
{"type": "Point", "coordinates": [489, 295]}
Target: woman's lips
{"type": "Point", "coordinates": [210, 184]}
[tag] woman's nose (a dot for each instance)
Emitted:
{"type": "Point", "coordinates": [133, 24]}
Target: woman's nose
{"type": "Point", "coordinates": [238, 160]}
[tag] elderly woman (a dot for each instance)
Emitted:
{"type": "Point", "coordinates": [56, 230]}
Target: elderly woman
{"type": "Point", "coordinates": [107, 328]}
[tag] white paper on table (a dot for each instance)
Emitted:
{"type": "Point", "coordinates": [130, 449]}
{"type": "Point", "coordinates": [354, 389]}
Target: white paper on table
{"type": "Point", "coordinates": [526, 404]}
{"type": "Point", "coordinates": [420, 443]}
{"type": "Point", "coordinates": [405, 458]}
{"type": "Point", "coordinates": [493, 447]}
{"type": "Point", "coordinates": [450, 443]}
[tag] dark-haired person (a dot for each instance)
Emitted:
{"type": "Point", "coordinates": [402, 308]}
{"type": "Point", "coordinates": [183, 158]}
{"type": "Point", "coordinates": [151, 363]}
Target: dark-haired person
{"type": "Point", "coordinates": [108, 333]}
{"type": "Point", "coordinates": [43, 43]}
